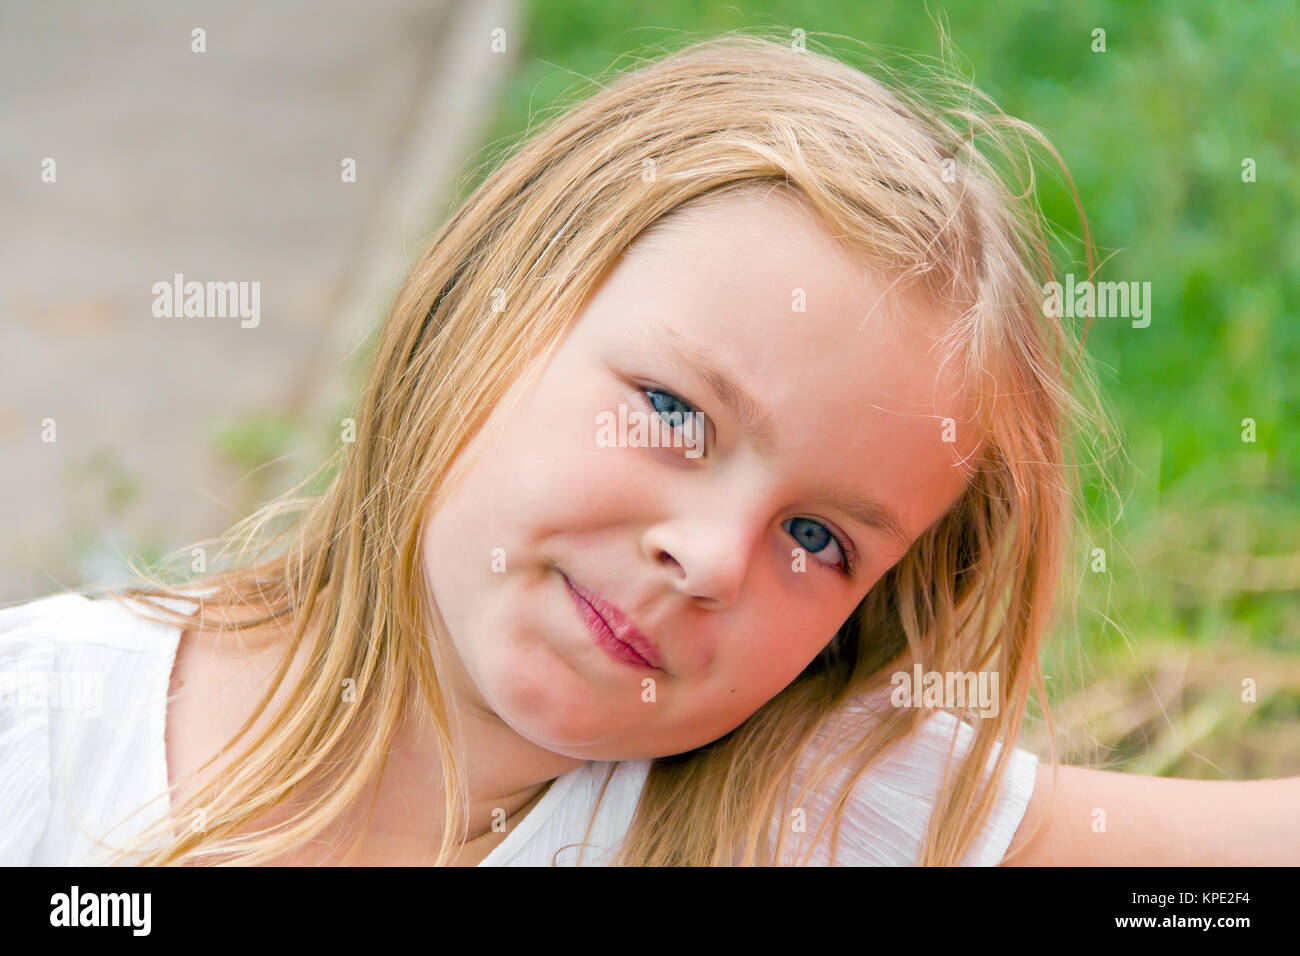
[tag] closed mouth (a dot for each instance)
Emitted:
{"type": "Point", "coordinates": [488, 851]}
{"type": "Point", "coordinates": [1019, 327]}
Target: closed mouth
{"type": "Point", "coordinates": [623, 630]}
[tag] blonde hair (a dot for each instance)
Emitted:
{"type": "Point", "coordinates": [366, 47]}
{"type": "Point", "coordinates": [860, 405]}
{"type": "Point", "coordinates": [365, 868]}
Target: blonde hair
{"type": "Point", "coordinates": [900, 177]}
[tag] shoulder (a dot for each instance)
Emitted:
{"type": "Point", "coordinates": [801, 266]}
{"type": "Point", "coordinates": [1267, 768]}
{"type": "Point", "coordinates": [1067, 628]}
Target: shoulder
{"type": "Point", "coordinates": [218, 682]}
{"type": "Point", "coordinates": [888, 813]}
{"type": "Point", "coordinates": [82, 693]}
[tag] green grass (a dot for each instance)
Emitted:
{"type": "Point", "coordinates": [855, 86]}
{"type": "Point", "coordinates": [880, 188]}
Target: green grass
{"type": "Point", "coordinates": [1154, 131]}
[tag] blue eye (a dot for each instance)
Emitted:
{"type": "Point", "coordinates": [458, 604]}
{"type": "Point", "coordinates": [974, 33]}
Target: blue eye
{"type": "Point", "coordinates": [679, 415]}
{"type": "Point", "coordinates": [814, 537]}
{"type": "Point", "coordinates": [670, 408]}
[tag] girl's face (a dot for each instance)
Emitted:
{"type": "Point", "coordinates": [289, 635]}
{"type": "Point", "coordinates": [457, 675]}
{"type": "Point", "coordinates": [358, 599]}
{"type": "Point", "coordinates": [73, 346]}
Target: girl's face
{"type": "Point", "coordinates": [738, 558]}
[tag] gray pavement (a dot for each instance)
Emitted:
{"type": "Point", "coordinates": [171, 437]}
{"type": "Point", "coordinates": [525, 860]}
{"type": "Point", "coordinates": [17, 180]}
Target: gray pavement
{"type": "Point", "coordinates": [223, 166]}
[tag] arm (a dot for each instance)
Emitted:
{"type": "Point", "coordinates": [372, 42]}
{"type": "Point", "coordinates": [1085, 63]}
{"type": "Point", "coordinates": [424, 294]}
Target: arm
{"type": "Point", "coordinates": [1156, 821]}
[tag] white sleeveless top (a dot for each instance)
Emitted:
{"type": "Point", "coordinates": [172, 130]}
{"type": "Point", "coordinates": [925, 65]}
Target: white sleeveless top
{"type": "Point", "coordinates": [83, 697]}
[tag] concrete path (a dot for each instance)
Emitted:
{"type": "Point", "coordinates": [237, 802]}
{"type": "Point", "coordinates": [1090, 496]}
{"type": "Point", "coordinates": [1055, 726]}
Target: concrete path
{"type": "Point", "coordinates": [222, 166]}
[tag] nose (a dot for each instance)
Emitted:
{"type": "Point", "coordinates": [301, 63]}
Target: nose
{"type": "Point", "coordinates": [705, 555]}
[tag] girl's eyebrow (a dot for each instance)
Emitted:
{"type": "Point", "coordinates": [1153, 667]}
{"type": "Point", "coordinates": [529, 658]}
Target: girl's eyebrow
{"type": "Point", "coordinates": [868, 511]}
{"type": "Point", "coordinates": [705, 366]}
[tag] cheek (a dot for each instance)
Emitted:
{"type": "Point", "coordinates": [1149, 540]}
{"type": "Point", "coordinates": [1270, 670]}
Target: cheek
{"type": "Point", "coordinates": [545, 468]}
{"type": "Point", "coordinates": [768, 653]}
{"type": "Point", "coordinates": [501, 633]}
{"type": "Point", "coordinates": [525, 471]}
{"type": "Point", "coordinates": [759, 664]}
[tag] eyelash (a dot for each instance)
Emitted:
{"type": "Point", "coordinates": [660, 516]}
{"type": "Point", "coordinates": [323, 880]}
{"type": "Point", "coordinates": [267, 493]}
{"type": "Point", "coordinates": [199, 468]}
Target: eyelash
{"type": "Point", "coordinates": [847, 567]}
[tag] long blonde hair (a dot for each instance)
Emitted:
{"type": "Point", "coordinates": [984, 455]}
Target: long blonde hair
{"type": "Point", "coordinates": [903, 178]}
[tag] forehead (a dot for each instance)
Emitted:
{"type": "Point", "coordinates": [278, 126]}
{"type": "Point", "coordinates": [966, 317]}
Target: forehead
{"type": "Point", "coordinates": [844, 361]}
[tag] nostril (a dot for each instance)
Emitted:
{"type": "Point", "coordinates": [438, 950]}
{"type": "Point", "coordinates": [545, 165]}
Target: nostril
{"type": "Point", "coordinates": [668, 559]}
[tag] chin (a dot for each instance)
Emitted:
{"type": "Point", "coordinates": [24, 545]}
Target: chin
{"type": "Point", "coordinates": [570, 726]}
{"type": "Point", "coordinates": [546, 701]}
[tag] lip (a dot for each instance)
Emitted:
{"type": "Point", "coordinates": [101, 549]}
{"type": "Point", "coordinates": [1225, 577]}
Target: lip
{"type": "Point", "coordinates": [621, 631]}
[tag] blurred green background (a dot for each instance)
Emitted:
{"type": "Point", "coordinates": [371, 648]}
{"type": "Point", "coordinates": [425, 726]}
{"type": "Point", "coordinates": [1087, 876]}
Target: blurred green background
{"type": "Point", "coordinates": [1202, 540]}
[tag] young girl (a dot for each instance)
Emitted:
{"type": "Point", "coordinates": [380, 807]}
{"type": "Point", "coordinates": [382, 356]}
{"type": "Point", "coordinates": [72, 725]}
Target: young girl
{"type": "Point", "coordinates": [708, 499]}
